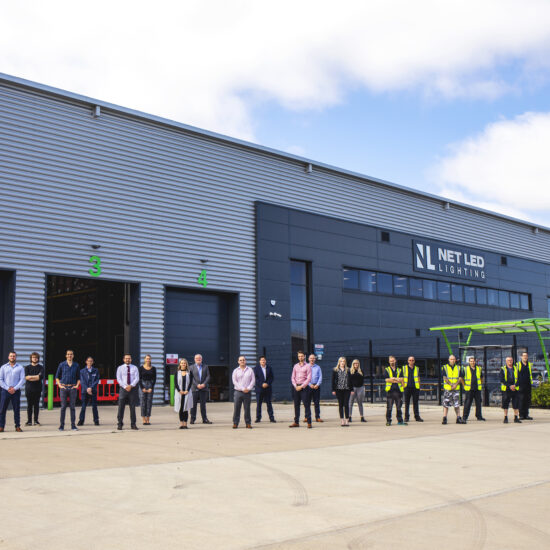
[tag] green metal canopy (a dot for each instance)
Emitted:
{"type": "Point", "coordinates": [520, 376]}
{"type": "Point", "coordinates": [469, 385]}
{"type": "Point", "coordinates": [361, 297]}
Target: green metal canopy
{"type": "Point", "coordinates": [515, 326]}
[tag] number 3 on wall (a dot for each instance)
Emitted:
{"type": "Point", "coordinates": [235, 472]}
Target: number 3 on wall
{"type": "Point", "coordinates": [95, 270]}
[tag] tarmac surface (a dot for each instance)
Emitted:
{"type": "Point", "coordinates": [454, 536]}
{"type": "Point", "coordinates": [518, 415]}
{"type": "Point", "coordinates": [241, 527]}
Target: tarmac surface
{"type": "Point", "coordinates": [483, 485]}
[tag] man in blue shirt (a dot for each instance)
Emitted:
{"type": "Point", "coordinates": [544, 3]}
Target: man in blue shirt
{"type": "Point", "coordinates": [67, 378]}
{"type": "Point", "coordinates": [315, 385]}
{"type": "Point", "coordinates": [89, 379]}
{"type": "Point", "coordinates": [12, 379]}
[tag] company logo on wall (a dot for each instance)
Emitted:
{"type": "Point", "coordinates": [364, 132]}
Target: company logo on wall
{"type": "Point", "coordinates": [448, 260]}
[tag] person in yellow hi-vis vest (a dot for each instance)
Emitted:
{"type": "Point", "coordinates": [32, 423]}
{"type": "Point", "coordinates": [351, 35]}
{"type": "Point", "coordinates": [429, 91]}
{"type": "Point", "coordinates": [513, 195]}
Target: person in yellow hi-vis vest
{"type": "Point", "coordinates": [451, 382]}
{"type": "Point", "coordinates": [509, 385]}
{"type": "Point", "coordinates": [471, 376]}
{"type": "Point", "coordinates": [525, 380]}
{"type": "Point", "coordinates": [394, 390]}
{"type": "Point", "coordinates": [411, 388]}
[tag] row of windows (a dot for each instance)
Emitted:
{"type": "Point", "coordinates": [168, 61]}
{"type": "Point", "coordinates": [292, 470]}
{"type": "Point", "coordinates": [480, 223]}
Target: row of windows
{"type": "Point", "coordinates": [400, 285]}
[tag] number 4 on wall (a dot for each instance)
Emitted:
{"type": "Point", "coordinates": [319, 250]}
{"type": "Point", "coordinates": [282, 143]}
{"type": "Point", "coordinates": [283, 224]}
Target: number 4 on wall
{"type": "Point", "coordinates": [202, 279]}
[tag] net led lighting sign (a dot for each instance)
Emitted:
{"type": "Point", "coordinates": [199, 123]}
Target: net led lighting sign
{"type": "Point", "coordinates": [449, 260]}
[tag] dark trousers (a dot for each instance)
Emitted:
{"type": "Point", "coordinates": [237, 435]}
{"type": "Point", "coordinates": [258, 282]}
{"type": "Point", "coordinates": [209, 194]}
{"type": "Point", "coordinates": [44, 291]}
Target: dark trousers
{"type": "Point", "coordinates": [510, 396]}
{"type": "Point", "coordinates": [131, 398]}
{"type": "Point", "coordinates": [302, 396]}
{"type": "Point", "coordinates": [415, 394]}
{"type": "Point", "coordinates": [264, 395]}
{"type": "Point", "coordinates": [316, 398]}
{"type": "Point", "coordinates": [33, 405]}
{"type": "Point", "coordinates": [5, 399]}
{"type": "Point", "coordinates": [86, 399]}
{"type": "Point", "coordinates": [524, 401]}
{"type": "Point", "coordinates": [241, 399]}
{"type": "Point", "coordinates": [472, 395]}
{"type": "Point", "coordinates": [391, 398]}
{"type": "Point", "coordinates": [71, 394]}
{"type": "Point", "coordinates": [343, 402]}
{"type": "Point", "coordinates": [184, 415]}
{"type": "Point", "coordinates": [146, 403]}
{"type": "Point", "coordinates": [199, 396]}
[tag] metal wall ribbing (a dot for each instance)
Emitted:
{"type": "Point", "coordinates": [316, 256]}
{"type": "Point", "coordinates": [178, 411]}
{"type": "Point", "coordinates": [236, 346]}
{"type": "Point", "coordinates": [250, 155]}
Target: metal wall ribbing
{"type": "Point", "coordinates": [160, 198]}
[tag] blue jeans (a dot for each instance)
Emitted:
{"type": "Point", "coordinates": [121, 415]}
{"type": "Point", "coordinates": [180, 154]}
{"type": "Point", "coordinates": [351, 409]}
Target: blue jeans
{"type": "Point", "coordinates": [71, 393]}
{"type": "Point", "coordinates": [5, 398]}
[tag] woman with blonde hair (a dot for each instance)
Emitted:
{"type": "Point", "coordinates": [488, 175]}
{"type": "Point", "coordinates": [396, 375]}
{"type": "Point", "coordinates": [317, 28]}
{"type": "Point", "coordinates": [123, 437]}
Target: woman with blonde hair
{"type": "Point", "coordinates": [341, 388]}
{"type": "Point", "coordinates": [183, 396]}
{"type": "Point", "coordinates": [357, 380]}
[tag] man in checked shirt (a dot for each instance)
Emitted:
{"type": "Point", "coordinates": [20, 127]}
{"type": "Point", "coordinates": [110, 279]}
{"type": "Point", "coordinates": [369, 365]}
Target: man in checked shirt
{"type": "Point", "coordinates": [301, 377]}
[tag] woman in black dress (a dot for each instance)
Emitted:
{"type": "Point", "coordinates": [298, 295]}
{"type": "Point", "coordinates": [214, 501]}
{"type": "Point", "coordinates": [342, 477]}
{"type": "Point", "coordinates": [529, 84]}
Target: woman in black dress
{"type": "Point", "coordinates": [341, 388]}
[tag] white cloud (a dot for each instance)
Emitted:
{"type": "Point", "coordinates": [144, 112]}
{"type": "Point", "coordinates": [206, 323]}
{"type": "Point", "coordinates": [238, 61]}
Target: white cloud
{"type": "Point", "coordinates": [209, 62]}
{"type": "Point", "coordinates": [505, 168]}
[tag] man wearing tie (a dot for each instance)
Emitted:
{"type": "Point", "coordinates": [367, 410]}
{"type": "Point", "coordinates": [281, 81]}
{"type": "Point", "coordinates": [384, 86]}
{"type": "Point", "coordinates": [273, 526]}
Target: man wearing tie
{"type": "Point", "coordinates": [201, 379]}
{"type": "Point", "coordinates": [89, 379]}
{"type": "Point", "coordinates": [12, 379]}
{"type": "Point", "coordinates": [127, 376]}
{"type": "Point", "coordinates": [264, 380]}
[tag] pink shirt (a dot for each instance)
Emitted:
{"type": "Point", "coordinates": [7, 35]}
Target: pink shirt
{"type": "Point", "coordinates": [243, 379]}
{"type": "Point", "coordinates": [301, 374]}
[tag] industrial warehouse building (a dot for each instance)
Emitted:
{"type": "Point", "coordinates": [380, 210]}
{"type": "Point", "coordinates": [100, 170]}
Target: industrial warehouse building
{"type": "Point", "coordinates": [125, 231]}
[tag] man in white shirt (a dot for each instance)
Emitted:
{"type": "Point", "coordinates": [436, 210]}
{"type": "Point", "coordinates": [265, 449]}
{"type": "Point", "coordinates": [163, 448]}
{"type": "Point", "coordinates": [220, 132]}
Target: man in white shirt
{"type": "Point", "coordinates": [127, 376]}
{"type": "Point", "coordinates": [12, 379]}
{"type": "Point", "coordinates": [243, 382]}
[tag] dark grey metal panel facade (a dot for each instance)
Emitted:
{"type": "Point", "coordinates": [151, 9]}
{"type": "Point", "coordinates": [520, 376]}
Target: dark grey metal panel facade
{"type": "Point", "coordinates": [345, 320]}
{"type": "Point", "coordinates": [160, 198]}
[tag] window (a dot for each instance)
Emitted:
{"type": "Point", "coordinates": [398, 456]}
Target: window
{"type": "Point", "coordinates": [385, 236]}
{"type": "Point", "coordinates": [492, 297]}
{"type": "Point", "coordinates": [299, 305]}
{"type": "Point", "coordinates": [504, 299]}
{"type": "Point", "coordinates": [429, 289]}
{"type": "Point", "coordinates": [368, 281]}
{"type": "Point", "coordinates": [524, 301]}
{"type": "Point", "coordinates": [400, 285]}
{"type": "Point", "coordinates": [385, 283]}
{"type": "Point", "coordinates": [470, 294]}
{"type": "Point", "coordinates": [514, 300]}
{"type": "Point", "coordinates": [351, 278]}
{"type": "Point", "coordinates": [481, 295]}
{"type": "Point", "coordinates": [415, 288]}
{"type": "Point", "coordinates": [456, 293]}
{"type": "Point", "coordinates": [443, 291]}
{"type": "Point", "coordinates": [503, 260]}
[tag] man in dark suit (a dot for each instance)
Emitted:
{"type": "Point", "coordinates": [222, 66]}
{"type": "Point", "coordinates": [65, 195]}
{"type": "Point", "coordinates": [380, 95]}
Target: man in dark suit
{"type": "Point", "coordinates": [264, 380]}
{"type": "Point", "coordinates": [89, 379]}
{"type": "Point", "coordinates": [201, 379]}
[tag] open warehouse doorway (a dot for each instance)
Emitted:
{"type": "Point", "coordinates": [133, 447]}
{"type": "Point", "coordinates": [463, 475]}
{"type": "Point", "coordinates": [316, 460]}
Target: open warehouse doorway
{"type": "Point", "coordinates": [93, 317]}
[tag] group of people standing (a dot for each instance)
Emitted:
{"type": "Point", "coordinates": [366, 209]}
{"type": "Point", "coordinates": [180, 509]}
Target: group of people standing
{"type": "Point", "coordinates": [516, 381]}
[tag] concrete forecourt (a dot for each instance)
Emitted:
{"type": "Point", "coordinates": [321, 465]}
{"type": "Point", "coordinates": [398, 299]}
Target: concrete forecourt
{"type": "Point", "coordinates": [481, 485]}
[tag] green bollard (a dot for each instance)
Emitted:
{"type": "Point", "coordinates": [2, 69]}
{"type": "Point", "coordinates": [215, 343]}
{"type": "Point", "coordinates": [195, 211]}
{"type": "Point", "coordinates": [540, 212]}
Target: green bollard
{"type": "Point", "coordinates": [172, 388]}
{"type": "Point", "coordinates": [50, 392]}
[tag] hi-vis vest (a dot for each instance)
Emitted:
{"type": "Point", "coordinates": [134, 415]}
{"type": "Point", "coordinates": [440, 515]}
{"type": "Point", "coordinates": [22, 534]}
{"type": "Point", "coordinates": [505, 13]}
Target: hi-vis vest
{"type": "Point", "coordinates": [516, 373]}
{"type": "Point", "coordinates": [452, 374]}
{"type": "Point", "coordinates": [468, 378]}
{"type": "Point", "coordinates": [391, 374]}
{"type": "Point", "coordinates": [519, 365]}
{"type": "Point", "coordinates": [406, 377]}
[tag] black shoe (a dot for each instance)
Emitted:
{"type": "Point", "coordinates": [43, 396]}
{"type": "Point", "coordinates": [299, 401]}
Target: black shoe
{"type": "Point", "coordinates": [363, 419]}
{"type": "Point", "coordinates": [36, 423]}
{"type": "Point", "coordinates": [349, 419]}
{"type": "Point", "coordinates": [459, 420]}
{"type": "Point", "coordinates": [272, 420]}
{"type": "Point", "coordinates": [444, 420]}
{"type": "Point", "coordinates": [134, 427]}
{"type": "Point", "coordinates": [517, 420]}
{"type": "Point", "coordinates": [481, 419]}
{"type": "Point", "coordinates": [505, 421]}
{"type": "Point", "coordinates": [119, 427]}
{"type": "Point", "coordinates": [406, 419]}
{"type": "Point", "coordinates": [61, 428]}
{"type": "Point", "coordinates": [257, 420]}
{"type": "Point", "coordinates": [419, 419]}
{"type": "Point", "coordinates": [528, 418]}
{"type": "Point", "coordinates": [28, 423]}
{"type": "Point", "coordinates": [206, 421]}
{"type": "Point", "coordinates": [388, 423]}
{"type": "Point", "coordinates": [80, 423]}
{"type": "Point", "coordinates": [96, 422]}
{"type": "Point", "coordinates": [192, 421]}
{"type": "Point", "coordinates": [401, 423]}
{"type": "Point", "coordinates": [74, 428]}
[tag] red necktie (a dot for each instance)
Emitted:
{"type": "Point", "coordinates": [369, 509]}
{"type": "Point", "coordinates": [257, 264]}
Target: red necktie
{"type": "Point", "coordinates": [128, 375]}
